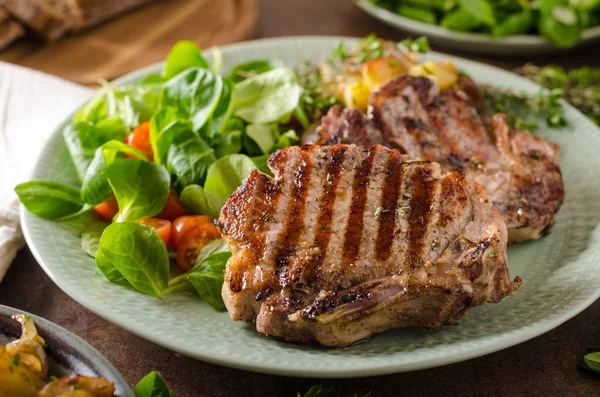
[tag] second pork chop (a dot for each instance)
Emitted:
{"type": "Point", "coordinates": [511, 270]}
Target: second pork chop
{"type": "Point", "coordinates": [518, 171]}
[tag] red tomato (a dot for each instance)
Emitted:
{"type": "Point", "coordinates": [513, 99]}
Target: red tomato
{"type": "Point", "coordinates": [173, 208]}
{"type": "Point", "coordinates": [140, 139]}
{"type": "Point", "coordinates": [162, 227]}
{"type": "Point", "coordinates": [107, 209]}
{"type": "Point", "coordinates": [190, 234]}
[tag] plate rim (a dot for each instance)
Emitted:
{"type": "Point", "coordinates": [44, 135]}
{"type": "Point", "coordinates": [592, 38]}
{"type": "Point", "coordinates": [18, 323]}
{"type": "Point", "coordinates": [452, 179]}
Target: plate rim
{"type": "Point", "coordinates": [509, 339]}
{"type": "Point", "coordinates": [513, 41]}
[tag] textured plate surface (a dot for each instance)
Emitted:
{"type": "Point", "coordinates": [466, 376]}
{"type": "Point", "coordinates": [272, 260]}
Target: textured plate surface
{"type": "Point", "coordinates": [473, 42]}
{"type": "Point", "coordinates": [561, 272]}
{"type": "Point", "coordinates": [67, 353]}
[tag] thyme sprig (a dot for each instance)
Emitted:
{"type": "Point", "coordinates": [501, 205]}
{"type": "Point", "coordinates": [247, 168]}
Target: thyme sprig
{"type": "Point", "coordinates": [580, 87]}
{"type": "Point", "coordinates": [523, 109]}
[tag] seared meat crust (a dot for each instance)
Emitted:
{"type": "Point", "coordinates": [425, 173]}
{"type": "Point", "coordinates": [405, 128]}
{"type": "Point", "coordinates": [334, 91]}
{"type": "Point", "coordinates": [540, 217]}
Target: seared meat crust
{"type": "Point", "coordinates": [344, 243]}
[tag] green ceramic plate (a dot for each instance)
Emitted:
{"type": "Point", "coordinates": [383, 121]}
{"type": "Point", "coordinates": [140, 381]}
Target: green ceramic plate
{"type": "Point", "coordinates": [561, 272]}
{"type": "Point", "coordinates": [473, 42]}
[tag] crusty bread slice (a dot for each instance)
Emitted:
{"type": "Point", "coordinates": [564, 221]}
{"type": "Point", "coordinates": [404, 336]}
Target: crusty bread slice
{"type": "Point", "coordinates": [10, 30]}
{"type": "Point", "coordinates": [38, 16]}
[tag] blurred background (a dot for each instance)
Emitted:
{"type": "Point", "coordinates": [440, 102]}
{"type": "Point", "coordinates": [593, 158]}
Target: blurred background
{"type": "Point", "coordinates": [88, 40]}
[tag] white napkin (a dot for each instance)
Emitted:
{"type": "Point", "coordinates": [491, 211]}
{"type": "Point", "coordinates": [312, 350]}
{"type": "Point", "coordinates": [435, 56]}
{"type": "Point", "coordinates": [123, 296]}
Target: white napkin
{"type": "Point", "coordinates": [32, 104]}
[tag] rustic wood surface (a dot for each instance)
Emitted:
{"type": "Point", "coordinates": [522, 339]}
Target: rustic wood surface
{"type": "Point", "coordinates": [137, 39]}
{"type": "Point", "coordinates": [544, 366]}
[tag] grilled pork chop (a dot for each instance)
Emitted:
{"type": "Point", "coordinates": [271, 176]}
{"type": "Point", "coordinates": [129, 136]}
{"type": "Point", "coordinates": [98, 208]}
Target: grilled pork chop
{"type": "Point", "coordinates": [343, 244]}
{"type": "Point", "coordinates": [518, 171]}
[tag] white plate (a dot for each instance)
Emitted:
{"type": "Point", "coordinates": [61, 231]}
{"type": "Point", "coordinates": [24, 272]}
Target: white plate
{"type": "Point", "coordinates": [561, 272]}
{"type": "Point", "coordinates": [473, 42]}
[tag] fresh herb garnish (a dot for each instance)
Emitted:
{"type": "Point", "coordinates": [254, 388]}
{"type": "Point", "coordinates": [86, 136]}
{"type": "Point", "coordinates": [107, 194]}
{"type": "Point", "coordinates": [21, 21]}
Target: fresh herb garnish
{"type": "Point", "coordinates": [523, 109]}
{"type": "Point", "coordinates": [16, 360]}
{"type": "Point", "coordinates": [580, 87]}
{"type": "Point", "coordinates": [420, 44]}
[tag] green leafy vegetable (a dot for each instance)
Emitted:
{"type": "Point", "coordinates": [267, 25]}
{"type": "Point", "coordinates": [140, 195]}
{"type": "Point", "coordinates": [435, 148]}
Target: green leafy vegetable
{"type": "Point", "coordinates": [194, 199]}
{"type": "Point", "coordinates": [207, 278]}
{"type": "Point", "coordinates": [152, 385]}
{"type": "Point", "coordinates": [189, 158]}
{"type": "Point", "coordinates": [590, 360]}
{"type": "Point", "coordinates": [90, 237]}
{"type": "Point", "coordinates": [481, 10]}
{"type": "Point", "coordinates": [194, 93]}
{"type": "Point", "coordinates": [129, 104]}
{"type": "Point", "coordinates": [224, 177]}
{"type": "Point", "coordinates": [418, 13]}
{"type": "Point", "coordinates": [83, 139]}
{"type": "Point", "coordinates": [251, 68]}
{"type": "Point", "coordinates": [141, 188]}
{"type": "Point", "coordinates": [95, 187]}
{"type": "Point", "coordinates": [49, 200]}
{"type": "Point", "coordinates": [222, 112]}
{"type": "Point", "coordinates": [263, 135]}
{"type": "Point", "coordinates": [267, 97]}
{"type": "Point", "coordinates": [184, 55]}
{"type": "Point", "coordinates": [138, 253]}
{"type": "Point", "coordinates": [109, 270]}
{"type": "Point", "coordinates": [164, 127]}
{"type": "Point", "coordinates": [514, 24]}
{"type": "Point", "coordinates": [460, 20]}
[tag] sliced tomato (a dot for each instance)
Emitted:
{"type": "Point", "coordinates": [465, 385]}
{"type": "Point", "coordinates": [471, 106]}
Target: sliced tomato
{"type": "Point", "coordinates": [107, 209]}
{"type": "Point", "coordinates": [173, 208]}
{"type": "Point", "coordinates": [140, 139]}
{"type": "Point", "coordinates": [162, 227]}
{"type": "Point", "coordinates": [190, 234]}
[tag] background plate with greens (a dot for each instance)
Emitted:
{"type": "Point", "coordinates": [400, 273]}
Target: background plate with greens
{"type": "Point", "coordinates": [473, 42]}
{"type": "Point", "coordinates": [561, 272]}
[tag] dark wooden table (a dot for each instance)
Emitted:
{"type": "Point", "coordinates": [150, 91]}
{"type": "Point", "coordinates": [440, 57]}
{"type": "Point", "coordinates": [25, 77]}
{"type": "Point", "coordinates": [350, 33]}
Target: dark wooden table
{"type": "Point", "coordinates": [544, 366]}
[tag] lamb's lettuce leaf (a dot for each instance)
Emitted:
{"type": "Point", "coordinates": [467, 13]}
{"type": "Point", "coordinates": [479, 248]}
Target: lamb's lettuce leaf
{"type": "Point", "coordinates": [267, 97]}
{"type": "Point", "coordinates": [141, 188]}
{"type": "Point", "coordinates": [184, 55]}
{"type": "Point", "coordinates": [137, 253]}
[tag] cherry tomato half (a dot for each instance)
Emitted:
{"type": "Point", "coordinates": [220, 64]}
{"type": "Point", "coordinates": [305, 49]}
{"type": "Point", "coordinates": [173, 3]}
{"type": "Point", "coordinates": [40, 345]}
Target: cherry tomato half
{"type": "Point", "coordinates": [190, 234]}
{"type": "Point", "coordinates": [140, 139]}
{"type": "Point", "coordinates": [173, 208]}
{"type": "Point", "coordinates": [162, 227]}
{"type": "Point", "coordinates": [107, 209]}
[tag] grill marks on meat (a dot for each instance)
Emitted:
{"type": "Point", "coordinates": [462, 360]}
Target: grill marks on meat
{"type": "Point", "coordinates": [344, 243]}
{"type": "Point", "coordinates": [519, 172]}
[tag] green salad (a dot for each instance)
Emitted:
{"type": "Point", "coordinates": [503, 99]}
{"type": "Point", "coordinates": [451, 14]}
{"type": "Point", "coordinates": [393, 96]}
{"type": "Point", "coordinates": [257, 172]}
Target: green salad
{"type": "Point", "coordinates": [560, 21]}
{"type": "Point", "coordinates": [151, 155]}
